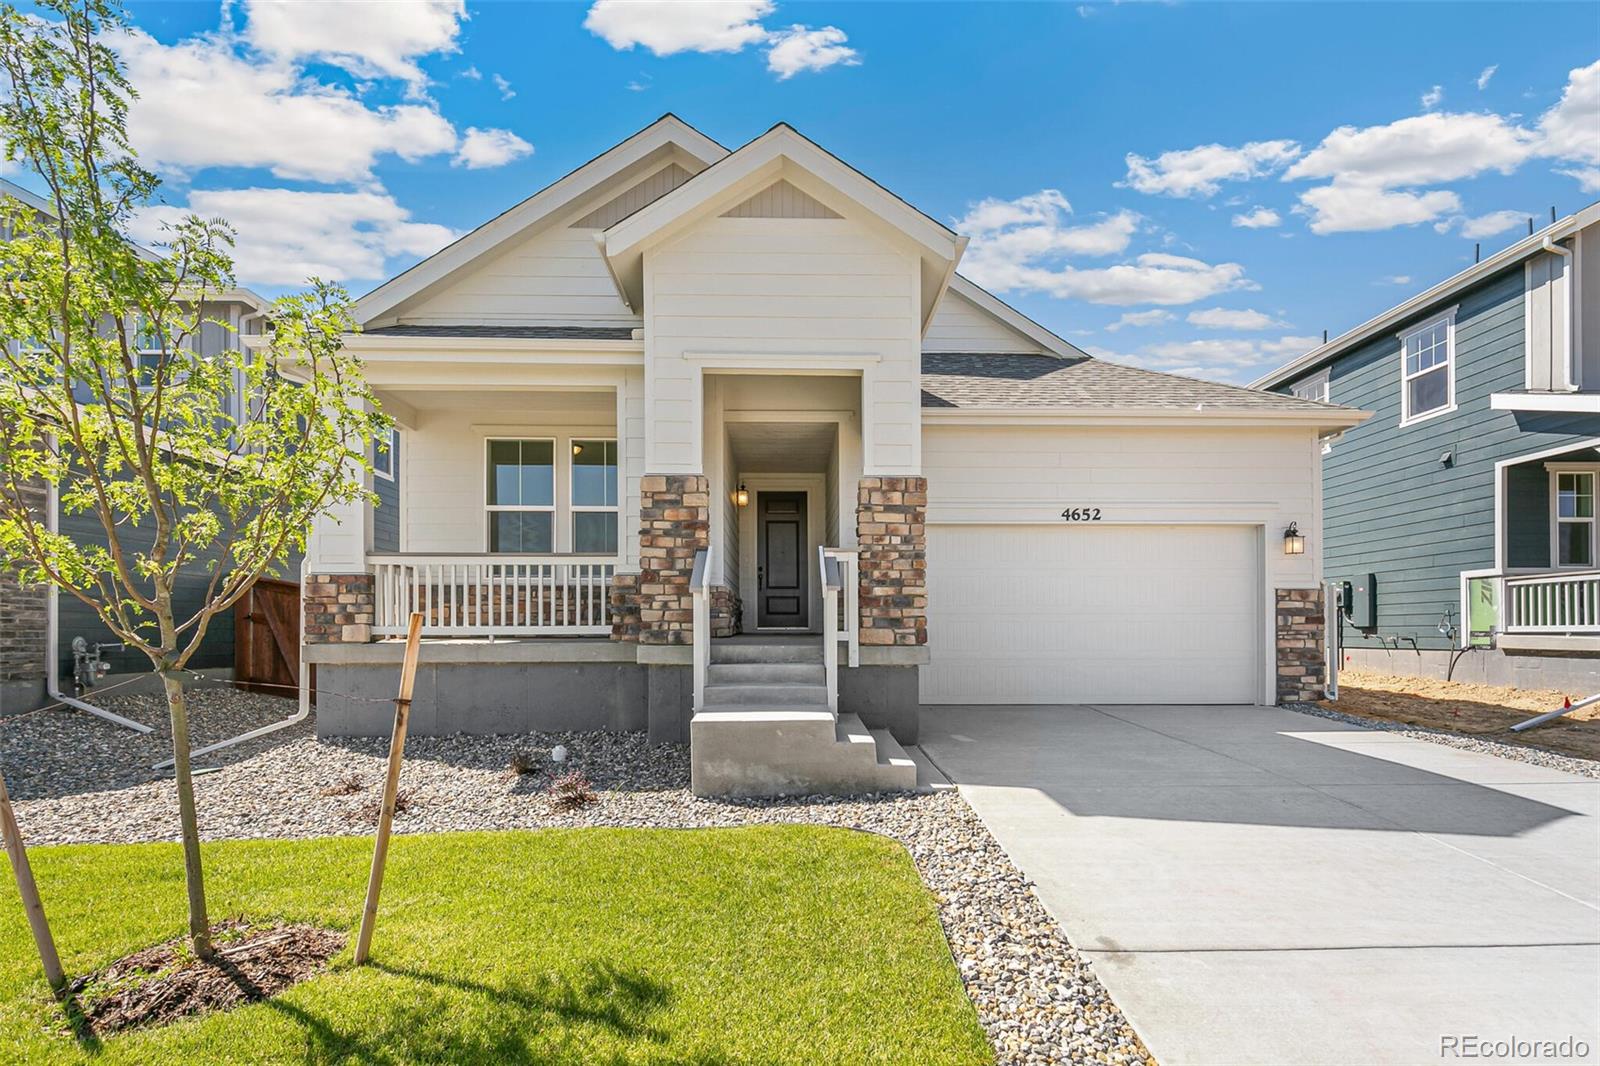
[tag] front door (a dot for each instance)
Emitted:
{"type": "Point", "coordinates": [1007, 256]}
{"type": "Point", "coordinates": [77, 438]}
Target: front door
{"type": "Point", "coordinates": [781, 591]}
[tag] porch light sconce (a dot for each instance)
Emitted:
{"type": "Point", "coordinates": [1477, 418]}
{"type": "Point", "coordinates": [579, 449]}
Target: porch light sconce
{"type": "Point", "coordinates": [742, 497]}
{"type": "Point", "coordinates": [1294, 542]}
{"type": "Point", "coordinates": [577, 449]}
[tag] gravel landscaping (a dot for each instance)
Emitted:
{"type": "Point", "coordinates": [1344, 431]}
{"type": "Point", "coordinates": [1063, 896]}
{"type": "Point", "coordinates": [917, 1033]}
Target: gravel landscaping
{"type": "Point", "coordinates": [77, 779]}
{"type": "Point", "coordinates": [1520, 752]}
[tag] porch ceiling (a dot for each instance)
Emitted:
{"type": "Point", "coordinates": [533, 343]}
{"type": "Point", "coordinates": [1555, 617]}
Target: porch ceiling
{"type": "Point", "coordinates": [782, 447]}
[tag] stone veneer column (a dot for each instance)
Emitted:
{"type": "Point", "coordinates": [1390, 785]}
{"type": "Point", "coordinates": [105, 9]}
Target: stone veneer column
{"type": "Point", "coordinates": [655, 606]}
{"type": "Point", "coordinates": [891, 533]}
{"type": "Point", "coordinates": [1301, 622]}
{"type": "Point", "coordinates": [23, 611]}
{"type": "Point", "coordinates": [338, 608]}
{"type": "Point", "coordinates": [725, 611]}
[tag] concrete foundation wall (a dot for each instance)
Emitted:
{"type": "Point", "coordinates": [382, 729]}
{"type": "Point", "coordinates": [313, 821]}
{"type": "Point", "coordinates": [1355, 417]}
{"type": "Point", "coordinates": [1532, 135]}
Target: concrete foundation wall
{"type": "Point", "coordinates": [884, 697]}
{"type": "Point", "coordinates": [1573, 674]}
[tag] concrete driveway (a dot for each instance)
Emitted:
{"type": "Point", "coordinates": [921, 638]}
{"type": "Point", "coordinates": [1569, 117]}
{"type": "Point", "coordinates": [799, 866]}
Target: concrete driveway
{"type": "Point", "coordinates": [1259, 886]}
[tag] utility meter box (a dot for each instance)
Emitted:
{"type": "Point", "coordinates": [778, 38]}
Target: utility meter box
{"type": "Point", "coordinates": [1361, 604]}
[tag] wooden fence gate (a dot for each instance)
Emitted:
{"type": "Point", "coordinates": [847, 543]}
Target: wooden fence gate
{"type": "Point", "coordinates": [266, 645]}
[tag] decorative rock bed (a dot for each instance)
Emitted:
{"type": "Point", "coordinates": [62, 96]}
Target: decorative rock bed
{"type": "Point", "coordinates": [77, 779]}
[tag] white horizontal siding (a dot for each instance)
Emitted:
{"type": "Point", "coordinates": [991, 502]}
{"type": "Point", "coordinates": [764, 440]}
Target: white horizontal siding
{"type": "Point", "coordinates": [962, 326]}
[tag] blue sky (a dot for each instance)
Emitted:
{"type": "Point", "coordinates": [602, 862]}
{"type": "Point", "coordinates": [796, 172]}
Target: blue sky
{"type": "Point", "coordinates": [1103, 157]}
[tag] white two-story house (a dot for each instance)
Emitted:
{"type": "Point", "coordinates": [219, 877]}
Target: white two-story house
{"type": "Point", "coordinates": [719, 445]}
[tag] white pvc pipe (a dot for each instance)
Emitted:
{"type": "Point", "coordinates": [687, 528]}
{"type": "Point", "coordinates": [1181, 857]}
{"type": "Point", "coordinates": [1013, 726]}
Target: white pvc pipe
{"type": "Point", "coordinates": [1541, 719]}
{"type": "Point", "coordinates": [295, 719]}
{"type": "Point", "coordinates": [52, 639]}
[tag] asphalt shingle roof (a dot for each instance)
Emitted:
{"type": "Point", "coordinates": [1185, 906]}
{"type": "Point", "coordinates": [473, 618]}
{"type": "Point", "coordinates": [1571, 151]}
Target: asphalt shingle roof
{"type": "Point", "coordinates": [981, 380]}
{"type": "Point", "coordinates": [560, 333]}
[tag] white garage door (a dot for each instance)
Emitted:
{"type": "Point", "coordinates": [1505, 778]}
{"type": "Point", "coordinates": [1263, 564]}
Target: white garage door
{"type": "Point", "coordinates": [1093, 614]}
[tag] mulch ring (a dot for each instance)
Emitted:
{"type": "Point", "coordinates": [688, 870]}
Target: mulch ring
{"type": "Point", "coordinates": [166, 982]}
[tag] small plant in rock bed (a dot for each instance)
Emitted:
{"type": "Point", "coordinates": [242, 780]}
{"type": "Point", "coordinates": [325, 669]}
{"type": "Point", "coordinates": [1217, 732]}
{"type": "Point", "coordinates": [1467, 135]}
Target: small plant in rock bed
{"type": "Point", "coordinates": [404, 800]}
{"type": "Point", "coordinates": [572, 791]}
{"type": "Point", "coordinates": [348, 785]}
{"type": "Point", "coordinates": [523, 763]}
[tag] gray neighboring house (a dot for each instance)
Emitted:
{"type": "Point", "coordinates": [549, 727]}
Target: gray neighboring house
{"type": "Point", "coordinates": [1462, 515]}
{"type": "Point", "coordinates": [25, 630]}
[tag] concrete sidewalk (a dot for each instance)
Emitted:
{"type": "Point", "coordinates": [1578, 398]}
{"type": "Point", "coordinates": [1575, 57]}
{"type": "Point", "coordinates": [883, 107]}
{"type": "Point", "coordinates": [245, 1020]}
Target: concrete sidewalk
{"type": "Point", "coordinates": [1260, 886]}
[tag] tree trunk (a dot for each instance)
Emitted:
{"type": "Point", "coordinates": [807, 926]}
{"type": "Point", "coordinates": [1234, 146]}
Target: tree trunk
{"type": "Point", "coordinates": [199, 923]}
{"type": "Point", "coordinates": [29, 893]}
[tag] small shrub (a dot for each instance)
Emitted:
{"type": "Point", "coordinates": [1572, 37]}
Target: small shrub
{"type": "Point", "coordinates": [572, 791]}
{"type": "Point", "coordinates": [348, 785]}
{"type": "Point", "coordinates": [404, 800]}
{"type": "Point", "coordinates": [523, 763]}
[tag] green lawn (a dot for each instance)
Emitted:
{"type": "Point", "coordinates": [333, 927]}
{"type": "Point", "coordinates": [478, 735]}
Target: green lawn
{"type": "Point", "coordinates": [765, 944]}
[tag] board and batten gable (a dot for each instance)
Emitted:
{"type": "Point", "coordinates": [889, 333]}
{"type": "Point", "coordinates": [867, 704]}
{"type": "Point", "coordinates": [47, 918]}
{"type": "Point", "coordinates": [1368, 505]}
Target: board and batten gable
{"type": "Point", "coordinates": [792, 294]}
{"type": "Point", "coordinates": [1394, 508]}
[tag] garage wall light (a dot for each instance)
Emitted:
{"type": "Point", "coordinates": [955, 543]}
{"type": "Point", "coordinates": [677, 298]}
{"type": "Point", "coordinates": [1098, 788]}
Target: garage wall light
{"type": "Point", "coordinates": [742, 497]}
{"type": "Point", "coordinates": [1294, 542]}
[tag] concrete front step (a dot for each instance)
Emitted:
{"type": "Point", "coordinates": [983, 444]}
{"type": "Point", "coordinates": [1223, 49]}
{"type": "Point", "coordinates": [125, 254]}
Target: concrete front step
{"type": "Point", "coordinates": [808, 696]}
{"type": "Point", "coordinates": [754, 752]}
{"type": "Point", "coordinates": [767, 674]}
{"type": "Point", "coordinates": [799, 651]}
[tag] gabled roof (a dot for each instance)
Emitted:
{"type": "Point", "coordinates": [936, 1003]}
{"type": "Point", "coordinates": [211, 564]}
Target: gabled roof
{"type": "Point", "coordinates": [780, 153]}
{"type": "Point", "coordinates": [656, 141]}
{"type": "Point", "coordinates": [1012, 384]}
{"type": "Point", "coordinates": [1424, 301]}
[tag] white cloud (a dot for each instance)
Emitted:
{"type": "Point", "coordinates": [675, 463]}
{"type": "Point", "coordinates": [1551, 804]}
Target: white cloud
{"type": "Point", "coordinates": [506, 91]}
{"type": "Point", "coordinates": [1348, 208]}
{"type": "Point", "coordinates": [1571, 129]}
{"type": "Point", "coordinates": [1152, 278]}
{"type": "Point", "coordinates": [471, 74]}
{"type": "Point", "coordinates": [1223, 318]}
{"type": "Point", "coordinates": [286, 236]}
{"type": "Point", "coordinates": [1485, 75]}
{"type": "Point", "coordinates": [1035, 226]}
{"type": "Point", "coordinates": [1224, 359]}
{"type": "Point", "coordinates": [1396, 279]}
{"type": "Point", "coordinates": [1258, 218]}
{"type": "Point", "coordinates": [1431, 98]}
{"type": "Point", "coordinates": [1200, 171]}
{"type": "Point", "coordinates": [667, 27]}
{"type": "Point", "coordinates": [203, 104]}
{"type": "Point", "coordinates": [366, 41]}
{"type": "Point", "coordinates": [1421, 150]}
{"type": "Point", "coordinates": [489, 148]}
{"type": "Point", "coordinates": [1588, 178]}
{"type": "Point", "coordinates": [1493, 223]}
{"type": "Point", "coordinates": [1140, 318]}
{"type": "Point", "coordinates": [800, 48]}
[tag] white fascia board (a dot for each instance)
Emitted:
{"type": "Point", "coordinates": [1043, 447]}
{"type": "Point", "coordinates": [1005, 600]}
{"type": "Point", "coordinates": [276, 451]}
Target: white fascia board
{"type": "Point", "coordinates": [662, 135]}
{"type": "Point", "coordinates": [1010, 316]}
{"type": "Point", "coordinates": [1125, 416]}
{"type": "Point", "coordinates": [1418, 304]}
{"type": "Point", "coordinates": [628, 238]}
{"type": "Point", "coordinates": [1583, 403]}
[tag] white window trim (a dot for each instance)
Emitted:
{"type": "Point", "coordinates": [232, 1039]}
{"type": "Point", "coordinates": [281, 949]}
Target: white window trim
{"type": "Point", "coordinates": [1320, 378]}
{"type": "Point", "coordinates": [394, 449]}
{"type": "Point", "coordinates": [574, 508]}
{"type": "Point", "coordinates": [1556, 521]}
{"type": "Point", "coordinates": [495, 508]}
{"type": "Point", "coordinates": [1448, 317]}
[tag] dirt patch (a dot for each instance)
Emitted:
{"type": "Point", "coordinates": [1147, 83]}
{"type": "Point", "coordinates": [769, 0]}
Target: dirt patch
{"type": "Point", "coordinates": [164, 983]}
{"type": "Point", "coordinates": [1464, 707]}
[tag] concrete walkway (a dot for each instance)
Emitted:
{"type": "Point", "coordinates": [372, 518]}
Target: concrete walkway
{"type": "Point", "coordinates": [1260, 886]}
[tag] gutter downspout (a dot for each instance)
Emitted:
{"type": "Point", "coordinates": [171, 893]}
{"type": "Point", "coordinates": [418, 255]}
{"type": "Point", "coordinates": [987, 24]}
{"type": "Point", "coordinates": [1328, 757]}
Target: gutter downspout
{"type": "Point", "coordinates": [52, 642]}
{"type": "Point", "coordinates": [1569, 272]}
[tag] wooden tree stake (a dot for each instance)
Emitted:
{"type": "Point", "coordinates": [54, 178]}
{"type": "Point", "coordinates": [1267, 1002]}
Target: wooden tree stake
{"type": "Point", "coordinates": [391, 786]}
{"type": "Point", "coordinates": [29, 893]}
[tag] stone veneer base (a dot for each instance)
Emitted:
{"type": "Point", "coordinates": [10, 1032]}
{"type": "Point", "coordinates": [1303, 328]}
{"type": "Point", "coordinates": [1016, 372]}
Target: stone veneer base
{"type": "Point", "coordinates": [1299, 633]}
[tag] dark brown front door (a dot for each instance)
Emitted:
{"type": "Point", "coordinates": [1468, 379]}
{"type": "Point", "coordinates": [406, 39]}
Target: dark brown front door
{"type": "Point", "coordinates": [781, 559]}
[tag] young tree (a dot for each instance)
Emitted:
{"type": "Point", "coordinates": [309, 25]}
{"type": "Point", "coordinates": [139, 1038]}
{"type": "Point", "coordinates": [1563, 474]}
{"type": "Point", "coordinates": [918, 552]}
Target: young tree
{"type": "Point", "coordinates": [214, 465]}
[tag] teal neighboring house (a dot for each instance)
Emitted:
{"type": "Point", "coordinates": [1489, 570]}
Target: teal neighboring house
{"type": "Point", "coordinates": [1460, 519]}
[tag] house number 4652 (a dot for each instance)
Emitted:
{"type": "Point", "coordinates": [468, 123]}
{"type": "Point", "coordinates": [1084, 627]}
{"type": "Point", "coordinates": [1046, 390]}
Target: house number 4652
{"type": "Point", "coordinates": [1081, 514]}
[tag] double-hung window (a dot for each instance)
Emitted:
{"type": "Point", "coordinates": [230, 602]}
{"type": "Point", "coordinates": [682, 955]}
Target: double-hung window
{"type": "Point", "coordinates": [594, 497]}
{"type": "Point", "coordinates": [148, 348]}
{"type": "Point", "coordinates": [383, 455]}
{"type": "Point", "coordinates": [1427, 369]}
{"type": "Point", "coordinates": [1573, 525]}
{"type": "Point", "coordinates": [521, 495]}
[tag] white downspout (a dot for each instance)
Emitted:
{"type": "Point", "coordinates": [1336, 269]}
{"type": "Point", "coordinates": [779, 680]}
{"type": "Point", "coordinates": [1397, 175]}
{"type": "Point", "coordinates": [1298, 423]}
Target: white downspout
{"type": "Point", "coordinates": [1569, 275]}
{"type": "Point", "coordinates": [52, 640]}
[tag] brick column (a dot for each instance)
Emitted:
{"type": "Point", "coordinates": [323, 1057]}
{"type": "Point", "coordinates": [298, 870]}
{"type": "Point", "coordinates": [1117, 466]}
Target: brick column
{"type": "Point", "coordinates": [725, 611]}
{"type": "Point", "coordinates": [1300, 635]}
{"type": "Point", "coordinates": [23, 612]}
{"type": "Point", "coordinates": [338, 608]}
{"type": "Point", "coordinates": [655, 606]}
{"type": "Point", "coordinates": [891, 533]}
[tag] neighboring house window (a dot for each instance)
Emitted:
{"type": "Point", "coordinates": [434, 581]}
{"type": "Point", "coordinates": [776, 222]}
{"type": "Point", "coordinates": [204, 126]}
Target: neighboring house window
{"type": "Point", "coordinates": [521, 495]}
{"type": "Point", "coordinates": [383, 457]}
{"type": "Point", "coordinates": [148, 347]}
{"type": "Point", "coordinates": [1427, 369]}
{"type": "Point", "coordinates": [594, 497]}
{"type": "Point", "coordinates": [1314, 387]}
{"type": "Point", "coordinates": [1573, 527]}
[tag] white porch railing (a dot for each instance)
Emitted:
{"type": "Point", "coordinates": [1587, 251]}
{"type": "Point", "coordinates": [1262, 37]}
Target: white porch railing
{"type": "Point", "coordinates": [700, 602]}
{"type": "Point", "coordinates": [493, 595]}
{"type": "Point", "coordinates": [1553, 603]}
{"type": "Point", "coordinates": [849, 562]}
{"type": "Point", "coordinates": [831, 588]}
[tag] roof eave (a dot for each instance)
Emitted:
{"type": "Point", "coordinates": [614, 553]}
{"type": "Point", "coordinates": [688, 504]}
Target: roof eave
{"type": "Point", "coordinates": [1333, 418]}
